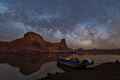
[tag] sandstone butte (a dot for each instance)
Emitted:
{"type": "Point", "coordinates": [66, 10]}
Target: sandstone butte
{"type": "Point", "coordinates": [30, 52]}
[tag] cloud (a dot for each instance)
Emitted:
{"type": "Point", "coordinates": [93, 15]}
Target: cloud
{"type": "Point", "coordinates": [10, 30]}
{"type": "Point", "coordinates": [3, 8]}
{"type": "Point", "coordinates": [81, 22]}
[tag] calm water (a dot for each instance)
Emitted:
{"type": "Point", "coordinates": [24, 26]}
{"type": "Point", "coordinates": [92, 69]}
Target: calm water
{"type": "Point", "coordinates": [8, 72]}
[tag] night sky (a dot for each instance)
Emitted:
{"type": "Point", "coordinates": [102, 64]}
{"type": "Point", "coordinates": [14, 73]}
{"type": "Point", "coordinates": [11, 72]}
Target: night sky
{"type": "Point", "coordinates": [83, 23]}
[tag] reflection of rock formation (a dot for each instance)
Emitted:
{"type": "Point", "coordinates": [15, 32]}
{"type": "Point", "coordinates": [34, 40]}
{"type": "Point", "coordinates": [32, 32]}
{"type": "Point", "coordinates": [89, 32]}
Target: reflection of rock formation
{"type": "Point", "coordinates": [8, 72]}
{"type": "Point", "coordinates": [29, 52]}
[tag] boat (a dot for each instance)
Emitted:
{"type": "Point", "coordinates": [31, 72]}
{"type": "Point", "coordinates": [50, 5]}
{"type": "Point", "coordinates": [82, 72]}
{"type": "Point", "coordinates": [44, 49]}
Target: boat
{"type": "Point", "coordinates": [73, 62]}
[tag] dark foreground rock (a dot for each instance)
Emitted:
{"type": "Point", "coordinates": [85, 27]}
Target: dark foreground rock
{"type": "Point", "coordinates": [107, 71]}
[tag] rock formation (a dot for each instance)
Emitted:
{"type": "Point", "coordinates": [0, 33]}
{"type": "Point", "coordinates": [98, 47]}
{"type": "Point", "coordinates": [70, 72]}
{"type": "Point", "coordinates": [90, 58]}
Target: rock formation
{"type": "Point", "coordinates": [29, 52]}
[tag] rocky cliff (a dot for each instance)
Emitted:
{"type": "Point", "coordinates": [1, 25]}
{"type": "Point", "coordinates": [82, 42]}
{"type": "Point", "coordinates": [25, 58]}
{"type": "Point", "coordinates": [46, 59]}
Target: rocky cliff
{"type": "Point", "coordinates": [30, 51]}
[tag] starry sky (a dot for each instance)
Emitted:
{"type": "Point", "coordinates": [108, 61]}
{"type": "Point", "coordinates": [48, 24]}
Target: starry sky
{"type": "Point", "coordinates": [83, 23]}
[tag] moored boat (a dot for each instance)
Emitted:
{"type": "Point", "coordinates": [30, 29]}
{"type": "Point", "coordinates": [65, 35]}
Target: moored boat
{"type": "Point", "coordinates": [73, 62]}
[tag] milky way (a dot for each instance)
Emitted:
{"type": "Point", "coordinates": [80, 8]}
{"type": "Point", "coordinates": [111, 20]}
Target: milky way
{"type": "Point", "coordinates": [83, 23]}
